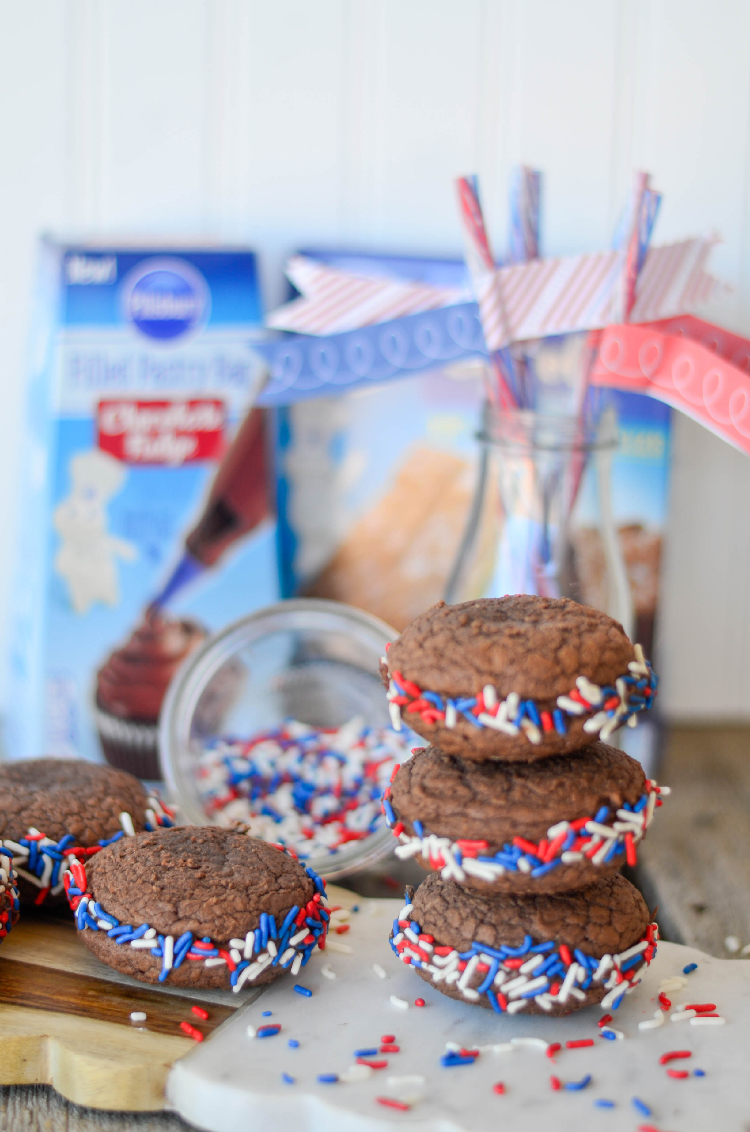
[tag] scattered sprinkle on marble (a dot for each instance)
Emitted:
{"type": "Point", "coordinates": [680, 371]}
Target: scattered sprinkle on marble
{"type": "Point", "coordinates": [640, 1106]}
{"type": "Point", "coordinates": [689, 968]}
{"type": "Point", "coordinates": [137, 1016]}
{"type": "Point", "coordinates": [285, 1077]}
{"type": "Point", "coordinates": [379, 971]}
{"type": "Point", "coordinates": [292, 1043]}
{"type": "Point", "coordinates": [327, 972]}
{"type": "Point", "coordinates": [401, 1003]}
{"type": "Point", "coordinates": [732, 944]}
{"type": "Point", "coordinates": [303, 990]}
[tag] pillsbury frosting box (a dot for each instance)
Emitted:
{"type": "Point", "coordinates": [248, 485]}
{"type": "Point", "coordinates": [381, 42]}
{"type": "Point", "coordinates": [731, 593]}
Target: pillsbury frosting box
{"type": "Point", "coordinates": [141, 368]}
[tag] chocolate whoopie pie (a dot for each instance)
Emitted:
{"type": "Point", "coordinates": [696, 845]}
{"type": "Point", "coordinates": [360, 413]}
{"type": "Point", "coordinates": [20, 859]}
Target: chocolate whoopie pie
{"type": "Point", "coordinates": [524, 827]}
{"type": "Point", "coordinates": [546, 954]}
{"type": "Point", "coordinates": [515, 678]}
{"type": "Point", "coordinates": [199, 906]}
{"type": "Point", "coordinates": [55, 810]}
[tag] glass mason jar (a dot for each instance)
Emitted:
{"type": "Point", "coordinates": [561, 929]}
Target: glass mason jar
{"type": "Point", "coordinates": [311, 661]}
{"type": "Point", "coordinates": [541, 520]}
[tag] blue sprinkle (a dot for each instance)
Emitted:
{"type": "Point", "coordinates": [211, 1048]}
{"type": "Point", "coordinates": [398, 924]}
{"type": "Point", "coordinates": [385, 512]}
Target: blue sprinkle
{"type": "Point", "coordinates": [466, 704]}
{"type": "Point", "coordinates": [542, 947]}
{"type": "Point", "coordinates": [328, 1078]}
{"type": "Point", "coordinates": [272, 931]}
{"type": "Point", "coordinates": [494, 1002]}
{"type": "Point", "coordinates": [355, 907]}
{"type": "Point", "coordinates": [540, 870]}
{"type": "Point", "coordinates": [532, 713]}
{"type": "Point", "coordinates": [287, 1079]}
{"type": "Point", "coordinates": [559, 719]}
{"type": "Point", "coordinates": [418, 828]}
{"type": "Point", "coordinates": [365, 1052]}
{"type": "Point", "coordinates": [293, 1043]}
{"type": "Point", "coordinates": [390, 817]}
{"type": "Point", "coordinates": [640, 1106]}
{"type": "Point", "coordinates": [601, 1103]}
{"type": "Point", "coordinates": [448, 1060]}
{"type": "Point", "coordinates": [690, 967]}
{"type": "Point", "coordinates": [602, 814]}
{"type": "Point", "coordinates": [266, 1014]}
{"type": "Point", "coordinates": [699, 1073]}
{"type": "Point", "coordinates": [288, 918]}
{"type": "Point", "coordinates": [610, 1035]}
{"type": "Point", "coordinates": [581, 958]}
{"type": "Point", "coordinates": [267, 1032]}
{"type": "Point", "coordinates": [415, 927]}
{"type": "Point", "coordinates": [516, 952]}
{"type": "Point", "coordinates": [576, 1085]}
{"type": "Point", "coordinates": [641, 803]}
{"type": "Point", "coordinates": [303, 990]}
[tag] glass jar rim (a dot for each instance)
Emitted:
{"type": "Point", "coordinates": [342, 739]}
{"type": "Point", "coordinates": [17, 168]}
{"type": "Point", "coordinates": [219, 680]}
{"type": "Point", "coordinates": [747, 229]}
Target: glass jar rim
{"type": "Point", "coordinates": [526, 430]}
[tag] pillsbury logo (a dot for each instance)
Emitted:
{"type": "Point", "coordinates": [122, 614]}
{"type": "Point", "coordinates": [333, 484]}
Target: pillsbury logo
{"type": "Point", "coordinates": [165, 299]}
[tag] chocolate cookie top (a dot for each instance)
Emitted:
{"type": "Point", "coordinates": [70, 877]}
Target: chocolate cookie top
{"type": "Point", "coordinates": [534, 646]}
{"type": "Point", "coordinates": [68, 796]}
{"type": "Point", "coordinates": [133, 680]}
{"type": "Point", "coordinates": [603, 918]}
{"type": "Point", "coordinates": [202, 879]}
{"type": "Point", "coordinates": [496, 801]}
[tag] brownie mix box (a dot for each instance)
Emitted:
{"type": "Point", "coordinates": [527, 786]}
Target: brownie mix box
{"type": "Point", "coordinates": [142, 367]}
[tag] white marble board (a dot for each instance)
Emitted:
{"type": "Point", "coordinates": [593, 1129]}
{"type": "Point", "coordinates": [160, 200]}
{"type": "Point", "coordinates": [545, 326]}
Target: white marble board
{"type": "Point", "coordinates": [233, 1083]}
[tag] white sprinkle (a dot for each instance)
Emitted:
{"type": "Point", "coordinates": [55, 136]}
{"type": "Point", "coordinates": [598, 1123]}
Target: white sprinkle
{"type": "Point", "coordinates": [533, 1043]}
{"type": "Point", "coordinates": [639, 655]}
{"type": "Point", "coordinates": [237, 943]}
{"type": "Point", "coordinates": [235, 955]}
{"type": "Point", "coordinates": [683, 1015]}
{"type": "Point", "coordinates": [497, 722]}
{"type": "Point", "coordinates": [251, 1031]}
{"type": "Point", "coordinates": [150, 934]}
{"type": "Point", "coordinates": [451, 715]}
{"type": "Point", "coordinates": [341, 915]}
{"type": "Point", "coordinates": [635, 950]}
{"type": "Point", "coordinates": [674, 982]}
{"type": "Point", "coordinates": [701, 1020]}
{"type": "Point", "coordinates": [287, 955]}
{"type": "Point", "coordinates": [327, 972]}
{"type": "Point", "coordinates": [533, 734]}
{"type": "Point", "coordinates": [653, 1023]}
{"type": "Point", "coordinates": [357, 1073]}
{"type": "Point", "coordinates": [401, 1003]}
{"type": "Point", "coordinates": [295, 965]}
{"type": "Point", "coordinates": [298, 937]}
{"type": "Point", "coordinates": [395, 713]}
{"type": "Point", "coordinates": [490, 696]}
{"type": "Point", "coordinates": [512, 704]}
{"type": "Point", "coordinates": [127, 823]}
{"type": "Point", "coordinates": [732, 943]}
{"type": "Point", "coordinates": [137, 1016]}
{"type": "Point", "coordinates": [341, 948]}
{"type": "Point", "coordinates": [570, 706]}
{"type": "Point", "coordinates": [555, 830]}
{"type": "Point", "coordinates": [406, 1082]}
{"type": "Point", "coordinates": [217, 961]}
{"type": "Point", "coordinates": [272, 950]}
{"type": "Point", "coordinates": [745, 949]}
{"type": "Point", "coordinates": [596, 722]}
{"type": "Point", "coordinates": [519, 1004]}
{"type": "Point", "coordinates": [379, 971]}
{"type": "Point", "coordinates": [142, 944]}
{"type": "Point", "coordinates": [168, 959]}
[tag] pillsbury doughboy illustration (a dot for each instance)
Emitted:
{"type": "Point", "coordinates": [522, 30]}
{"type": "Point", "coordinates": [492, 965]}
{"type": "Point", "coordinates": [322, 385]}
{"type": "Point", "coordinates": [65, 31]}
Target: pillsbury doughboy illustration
{"type": "Point", "coordinates": [87, 556]}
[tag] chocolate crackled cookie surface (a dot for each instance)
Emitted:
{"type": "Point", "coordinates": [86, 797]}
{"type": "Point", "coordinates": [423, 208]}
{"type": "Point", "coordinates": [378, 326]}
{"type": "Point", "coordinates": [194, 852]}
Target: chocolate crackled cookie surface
{"type": "Point", "coordinates": [526, 827]}
{"type": "Point", "coordinates": [49, 806]}
{"type": "Point", "coordinates": [516, 678]}
{"type": "Point", "coordinates": [199, 906]}
{"type": "Point", "coordinates": [538, 954]}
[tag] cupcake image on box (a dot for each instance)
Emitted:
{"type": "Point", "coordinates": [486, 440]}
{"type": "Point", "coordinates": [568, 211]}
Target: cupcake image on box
{"type": "Point", "coordinates": [131, 686]}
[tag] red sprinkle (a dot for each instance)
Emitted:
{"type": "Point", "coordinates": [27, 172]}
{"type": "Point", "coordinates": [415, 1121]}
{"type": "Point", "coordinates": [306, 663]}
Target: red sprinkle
{"type": "Point", "coordinates": [419, 1002]}
{"type": "Point", "coordinates": [701, 1007]}
{"type": "Point", "coordinates": [372, 1064]}
{"type": "Point", "coordinates": [200, 1012]}
{"type": "Point", "coordinates": [555, 1083]}
{"type": "Point", "coordinates": [604, 1020]}
{"type": "Point", "coordinates": [679, 1073]}
{"type": "Point", "coordinates": [673, 1055]}
{"type": "Point", "coordinates": [554, 1048]}
{"type": "Point", "coordinates": [631, 855]}
{"type": "Point", "coordinates": [191, 1031]}
{"type": "Point", "coordinates": [389, 1048]}
{"type": "Point", "coordinates": [386, 1039]}
{"type": "Point", "coordinates": [664, 1001]}
{"type": "Point", "coordinates": [565, 955]}
{"type": "Point", "coordinates": [391, 1102]}
{"type": "Point", "coordinates": [342, 929]}
{"type": "Point", "coordinates": [647, 1128]}
{"type": "Point", "coordinates": [580, 1043]}
{"type": "Point", "coordinates": [498, 1088]}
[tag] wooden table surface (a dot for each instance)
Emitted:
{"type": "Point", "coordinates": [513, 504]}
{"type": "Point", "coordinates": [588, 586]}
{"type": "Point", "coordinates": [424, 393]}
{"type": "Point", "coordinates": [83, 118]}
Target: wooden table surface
{"type": "Point", "coordinates": [695, 864]}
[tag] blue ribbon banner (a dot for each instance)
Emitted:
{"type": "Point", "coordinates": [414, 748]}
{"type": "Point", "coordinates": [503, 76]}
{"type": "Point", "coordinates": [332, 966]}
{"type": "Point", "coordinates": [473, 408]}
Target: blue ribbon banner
{"type": "Point", "coordinates": [304, 365]}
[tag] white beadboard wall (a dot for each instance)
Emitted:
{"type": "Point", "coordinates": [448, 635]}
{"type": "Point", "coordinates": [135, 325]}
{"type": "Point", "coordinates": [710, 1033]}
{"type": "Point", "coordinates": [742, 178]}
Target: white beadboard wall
{"type": "Point", "coordinates": [344, 121]}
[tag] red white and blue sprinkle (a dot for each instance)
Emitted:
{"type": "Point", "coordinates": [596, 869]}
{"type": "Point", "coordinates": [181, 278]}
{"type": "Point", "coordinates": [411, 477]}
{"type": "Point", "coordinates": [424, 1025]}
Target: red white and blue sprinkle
{"type": "Point", "coordinates": [43, 862]}
{"type": "Point", "coordinates": [606, 708]}
{"type": "Point", "coordinates": [310, 789]}
{"type": "Point", "coordinates": [601, 838]}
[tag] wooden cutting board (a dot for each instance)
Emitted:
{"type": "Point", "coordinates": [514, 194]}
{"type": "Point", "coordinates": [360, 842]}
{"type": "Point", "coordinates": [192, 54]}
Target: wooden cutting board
{"type": "Point", "coordinates": [65, 1020]}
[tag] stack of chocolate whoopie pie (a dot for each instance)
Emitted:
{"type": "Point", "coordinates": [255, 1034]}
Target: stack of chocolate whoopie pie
{"type": "Point", "coordinates": [520, 810]}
